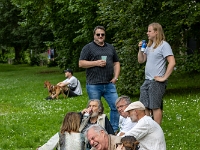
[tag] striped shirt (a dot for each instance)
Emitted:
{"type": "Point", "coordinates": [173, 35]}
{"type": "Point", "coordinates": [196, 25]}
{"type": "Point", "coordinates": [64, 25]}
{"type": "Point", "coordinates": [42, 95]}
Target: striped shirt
{"type": "Point", "coordinates": [93, 52]}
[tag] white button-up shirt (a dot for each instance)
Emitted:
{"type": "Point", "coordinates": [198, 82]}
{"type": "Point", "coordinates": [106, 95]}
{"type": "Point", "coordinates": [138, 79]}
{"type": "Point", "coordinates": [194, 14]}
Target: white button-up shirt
{"type": "Point", "coordinates": [125, 124]}
{"type": "Point", "coordinates": [149, 134]}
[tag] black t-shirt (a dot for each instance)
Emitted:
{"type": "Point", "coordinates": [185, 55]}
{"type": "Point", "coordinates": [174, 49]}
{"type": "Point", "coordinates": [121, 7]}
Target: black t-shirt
{"type": "Point", "coordinates": [93, 52]}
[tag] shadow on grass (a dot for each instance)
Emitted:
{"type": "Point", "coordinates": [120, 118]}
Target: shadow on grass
{"type": "Point", "coordinates": [183, 91]}
{"type": "Point", "coordinates": [48, 72]}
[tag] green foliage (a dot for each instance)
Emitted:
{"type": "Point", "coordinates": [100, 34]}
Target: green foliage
{"type": "Point", "coordinates": [71, 23]}
{"type": "Point", "coordinates": [67, 26]}
{"type": "Point", "coordinates": [12, 34]}
{"type": "Point", "coordinates": [40, 60]}
{"type": "Point", "coordinates": [73, 30]}
{"type": "Point", "coordinates": [189, 63]}
{"type": "Point", "coordinates": [125, 20]}
{"type": "Point", "coordinates": [128, 21]}
{"type": "Point", "coordinates": [52, 63]}
{"type": "Point", "coordinates": [35, 60]}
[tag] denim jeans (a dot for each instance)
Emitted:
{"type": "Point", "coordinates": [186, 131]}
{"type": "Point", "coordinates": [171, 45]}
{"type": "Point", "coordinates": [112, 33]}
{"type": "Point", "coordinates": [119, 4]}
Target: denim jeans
{"type": "Point", "coordinates": [109, 92]}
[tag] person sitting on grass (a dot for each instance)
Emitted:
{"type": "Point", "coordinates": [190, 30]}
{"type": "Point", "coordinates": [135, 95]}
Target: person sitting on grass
{"type": "Point", "coordinates": [99, 139]}
{"type": "Point", "coordinates": [69, 136]}
{"type": "Point", "coordinates": [125, 123]}
{"type": "Point", "coordinates": [73, 84]}
{"type": "Point", "coordinates": [95, 110]}
{"type": "Point", "coordinates": [146, 131]}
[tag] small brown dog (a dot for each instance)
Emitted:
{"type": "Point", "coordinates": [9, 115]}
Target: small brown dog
{"type": "Point", "coordinates": [49, 87]}
{"type": "Point", "coordinates": [55, 90]}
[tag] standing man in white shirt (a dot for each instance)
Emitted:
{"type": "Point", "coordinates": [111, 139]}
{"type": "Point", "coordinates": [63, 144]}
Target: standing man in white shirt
{"type": "Point", "coordinates": [125, 123]}
{"type": "Point", "coordinates": [146, 131]}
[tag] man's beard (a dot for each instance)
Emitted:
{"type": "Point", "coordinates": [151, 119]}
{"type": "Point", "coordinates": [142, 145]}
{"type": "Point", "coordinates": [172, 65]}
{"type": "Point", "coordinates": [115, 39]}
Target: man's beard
{"type": "Point", "coordinates": [94, 114]}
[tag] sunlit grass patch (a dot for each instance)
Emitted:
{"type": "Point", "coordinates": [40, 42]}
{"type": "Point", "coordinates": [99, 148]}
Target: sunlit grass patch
{"type": "Point", "coordinates": [27, 120]}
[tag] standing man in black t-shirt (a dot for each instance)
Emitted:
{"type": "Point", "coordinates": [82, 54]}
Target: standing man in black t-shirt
{"type": "Point", "coordinates": [102, 70]}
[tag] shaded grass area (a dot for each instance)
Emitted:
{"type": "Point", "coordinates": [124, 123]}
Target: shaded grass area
{"type": "Point", "coordinates": [27, 120]}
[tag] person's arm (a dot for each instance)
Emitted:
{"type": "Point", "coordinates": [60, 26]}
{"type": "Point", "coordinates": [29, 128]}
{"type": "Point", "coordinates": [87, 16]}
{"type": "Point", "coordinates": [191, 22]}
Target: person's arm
{"type": "Point", "coordinates": [51, 143]}
{"type": "Point", "coordinates": [139, 131]}
{"type": "Point", "coordinates": [63, 84]}
{"type": "Point", "coordinates": [59, 83]}
{"type": "Point", "coordinates": [89, 64]}
{"type": "Point", "coordinates": [141, 55]}
{"type": "Point", "coordinates": [120, 134]}
{"type": "Point", "coordinates": [170, 68]}
{"type": "Point", "coordinates": [116, 72]}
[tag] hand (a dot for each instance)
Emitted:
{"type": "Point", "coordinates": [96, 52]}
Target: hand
{"type": "Point", "coordinates": [84, 111]}
{"type": "Point", "coordinates": [101, 63]}
{"type": "Point", "coordinates": [119, 147]}
{"type": "Point", "coordinates": [140, 44]}
{"type": "Point", "coordinates": [159, 79]}
{"type": "Point", "coordinates": [113, 80]}
{"type": "Point", "coordinates": [87, 110]}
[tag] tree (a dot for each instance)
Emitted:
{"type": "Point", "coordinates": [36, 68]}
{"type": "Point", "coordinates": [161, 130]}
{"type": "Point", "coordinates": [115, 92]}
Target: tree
{"type": "Point", "coordinates": [67, 26]}
{"type": "Point", "coordinates": [12, 34]}
{"type": "Point", "coordinates": [71, 23]}
{"type": "Point", "coordinates": [128, 20]}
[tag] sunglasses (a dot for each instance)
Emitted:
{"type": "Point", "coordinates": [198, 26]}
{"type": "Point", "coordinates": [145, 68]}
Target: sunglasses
{"type": "Point", "coordinates": [98, 34]}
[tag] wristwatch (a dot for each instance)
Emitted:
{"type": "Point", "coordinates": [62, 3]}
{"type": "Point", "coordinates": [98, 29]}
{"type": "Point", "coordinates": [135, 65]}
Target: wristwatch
{"type": "Point", "coordinates": [116, 79]}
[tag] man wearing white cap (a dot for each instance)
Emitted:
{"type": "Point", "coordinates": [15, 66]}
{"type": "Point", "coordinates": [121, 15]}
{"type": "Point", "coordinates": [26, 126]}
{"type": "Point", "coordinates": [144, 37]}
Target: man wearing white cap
{"type": "Point", "coordinates": [125, 123]}
{"type": "Point", "coordinates": [146, 131]}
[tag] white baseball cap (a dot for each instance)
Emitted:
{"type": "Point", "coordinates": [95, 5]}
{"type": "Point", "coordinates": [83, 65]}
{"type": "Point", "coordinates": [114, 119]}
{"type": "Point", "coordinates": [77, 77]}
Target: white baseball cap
{"type": "Point", "coordinates": [135, 105]}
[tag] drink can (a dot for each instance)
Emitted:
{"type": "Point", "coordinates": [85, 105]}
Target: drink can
{"type": "Point", "coordinates": [86, 115]}
{"type": "Point", "coordinates": [143, 45]}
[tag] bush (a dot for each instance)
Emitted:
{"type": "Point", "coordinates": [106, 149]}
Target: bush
{"type": "Point", "coordinates": [35, 60]}
{"type": "Point", "coordinates": [189, 63]}
{"type": "Point", "coordinates": [132, 73]}
{"type": "Point", "coordinates": [52, 63]}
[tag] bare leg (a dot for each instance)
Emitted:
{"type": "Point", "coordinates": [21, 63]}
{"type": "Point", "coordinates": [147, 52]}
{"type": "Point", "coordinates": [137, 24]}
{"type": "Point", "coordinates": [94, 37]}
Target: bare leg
{"type": "Point", "coordinates": [157, 115]}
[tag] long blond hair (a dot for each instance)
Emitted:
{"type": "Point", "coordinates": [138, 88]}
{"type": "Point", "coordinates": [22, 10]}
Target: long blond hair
{"type": "Point", "coordinates": [160, 35]}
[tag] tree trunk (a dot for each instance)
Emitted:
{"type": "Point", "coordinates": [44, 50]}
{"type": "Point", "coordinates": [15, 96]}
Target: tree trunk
{"type": "Point", "coordinates": [18, 55]}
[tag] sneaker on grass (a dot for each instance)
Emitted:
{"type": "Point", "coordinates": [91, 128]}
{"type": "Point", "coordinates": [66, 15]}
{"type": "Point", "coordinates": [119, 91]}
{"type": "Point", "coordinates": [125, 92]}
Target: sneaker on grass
{"type": "Point", "coordinates": [48, 98]}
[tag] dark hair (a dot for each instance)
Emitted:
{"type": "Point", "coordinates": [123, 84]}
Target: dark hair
{"type": "Point", "coordinates": [100, 105]}
{"type": "Point", "coordinates": [99, 27]}
{"type": "Point", "coordinates": [69, 70]}
{"type": "Point", "coordinates": [130, 143]}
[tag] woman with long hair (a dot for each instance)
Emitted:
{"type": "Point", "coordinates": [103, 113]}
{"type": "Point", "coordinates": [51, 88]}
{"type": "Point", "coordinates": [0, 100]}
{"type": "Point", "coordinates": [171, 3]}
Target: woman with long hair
{"type": "Point", "coordinates": [157, 56]}
{"type": "Point", "coordinates": [69, 136]}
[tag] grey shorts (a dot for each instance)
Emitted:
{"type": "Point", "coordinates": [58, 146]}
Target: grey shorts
{"type": "Point", "coordinates": [151, 93]}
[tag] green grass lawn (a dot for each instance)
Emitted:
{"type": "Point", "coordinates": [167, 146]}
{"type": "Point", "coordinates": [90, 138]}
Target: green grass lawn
{"type": "Point", "coordinates": [27, 120]}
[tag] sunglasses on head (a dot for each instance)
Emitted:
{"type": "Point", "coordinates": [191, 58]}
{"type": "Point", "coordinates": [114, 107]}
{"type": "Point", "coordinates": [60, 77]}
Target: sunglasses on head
{"type": "Point", "coordinates": [98, 34]}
